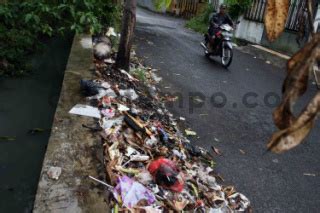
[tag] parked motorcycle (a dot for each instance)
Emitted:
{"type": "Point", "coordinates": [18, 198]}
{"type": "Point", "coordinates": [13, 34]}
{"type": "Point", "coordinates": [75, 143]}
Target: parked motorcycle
{"type": "Point", "coordinates": [220, 44]}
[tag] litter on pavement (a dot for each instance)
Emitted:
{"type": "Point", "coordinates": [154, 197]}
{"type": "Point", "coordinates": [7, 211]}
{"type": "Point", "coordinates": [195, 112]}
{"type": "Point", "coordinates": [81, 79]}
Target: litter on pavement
{"type": "Point", "coordinates": [150, 165]}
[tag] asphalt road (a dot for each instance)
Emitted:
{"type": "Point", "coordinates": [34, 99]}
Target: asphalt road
{"type": "Point", "coordinates": [241, 127]}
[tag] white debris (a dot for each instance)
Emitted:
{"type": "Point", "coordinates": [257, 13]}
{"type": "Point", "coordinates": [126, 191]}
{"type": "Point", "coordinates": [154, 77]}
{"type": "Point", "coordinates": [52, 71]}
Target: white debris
{"type": "Point", "coordinates": [108, 123]}
{"type": "Point", "coordinates": [109, 61]}
{"type": "Point", "coordinates": [54, 172]}
{"type": "Point", "coordinates": [129, 93]}
{"type": "Point", "coordinates": [85, 110]}
{"type": "Point", "coordinates": [122, 108]}
{"type": "Point", "coordinates": [155, 77]}
{"type": "Point", "coordinates": [111, 32]}
{"type": "Point", "coordinates": [86, 42]}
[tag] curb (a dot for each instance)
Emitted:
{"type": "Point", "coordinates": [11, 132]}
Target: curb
{"type": "Point", "coordinates": [71, 149]}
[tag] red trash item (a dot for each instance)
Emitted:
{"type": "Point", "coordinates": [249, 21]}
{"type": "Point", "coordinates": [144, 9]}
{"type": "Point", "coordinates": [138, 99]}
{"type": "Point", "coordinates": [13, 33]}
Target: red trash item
{"type": "Point", "coordinates": [166, 174]}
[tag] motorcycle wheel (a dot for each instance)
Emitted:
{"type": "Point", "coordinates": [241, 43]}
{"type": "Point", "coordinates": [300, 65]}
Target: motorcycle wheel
{"type": "Point", "coordinates": [226, 57]}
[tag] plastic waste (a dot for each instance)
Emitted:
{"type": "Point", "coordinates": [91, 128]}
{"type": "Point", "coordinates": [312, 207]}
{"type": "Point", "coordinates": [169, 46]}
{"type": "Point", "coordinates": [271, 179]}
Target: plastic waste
{"type": "Point", "coordinates": [129, 93]}
{"type": "Point", "coordinates": [129, 192]}
{"type": "Point", "coordinates": [108, 113]}
{"type": "Point", "coordinates": [108, 123]}
{"type": "Point", "coordinates": [89, 87]}
{"type": "Point", "coordinates": [85, 110]}
{"type": "Point", "coordinates": [163, 135]}
{"type": "Point", "coordinates": [166, 174]}
{"type": "Point", "coordinates": [123, 108]}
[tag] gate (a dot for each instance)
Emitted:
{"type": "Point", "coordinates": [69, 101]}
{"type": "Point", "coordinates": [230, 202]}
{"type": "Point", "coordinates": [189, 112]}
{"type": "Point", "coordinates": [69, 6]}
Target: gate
{"type": "Point", "coordinates": [257, 10]}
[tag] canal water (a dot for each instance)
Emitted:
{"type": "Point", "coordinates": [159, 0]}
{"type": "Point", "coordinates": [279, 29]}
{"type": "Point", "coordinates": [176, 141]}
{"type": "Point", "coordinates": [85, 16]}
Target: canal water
{"type": "Point", "coordinates": [28, 103]}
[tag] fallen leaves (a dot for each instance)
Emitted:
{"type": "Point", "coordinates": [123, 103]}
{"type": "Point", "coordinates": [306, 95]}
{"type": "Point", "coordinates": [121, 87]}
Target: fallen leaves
{"type": "Point", "coordinates": [276, 17]}
{"type": "Point", "coordinates": [216, 150]}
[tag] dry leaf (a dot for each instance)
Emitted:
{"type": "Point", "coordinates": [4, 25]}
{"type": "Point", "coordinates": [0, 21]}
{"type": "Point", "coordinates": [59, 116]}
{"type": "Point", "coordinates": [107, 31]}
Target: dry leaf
{"type": "Point", "coordinates": [276, 17]}
{"type": "Point", "coordinates": [292, 136]}
{"type": "Point", "coordinates": [295, 84]}
{"type": "Point", "coordinates": [216, 150]}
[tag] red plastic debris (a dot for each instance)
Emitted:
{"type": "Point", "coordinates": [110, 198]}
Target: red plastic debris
{"type": "Point", "coordinates": [166, 174]}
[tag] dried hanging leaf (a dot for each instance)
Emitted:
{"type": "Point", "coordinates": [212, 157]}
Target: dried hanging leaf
{"type": "Point", "coordinates": [276, 17]}
{"type": "Point", "coordinates": [292, 136]}
{"type": "Point", "coordinates": [295, 84]}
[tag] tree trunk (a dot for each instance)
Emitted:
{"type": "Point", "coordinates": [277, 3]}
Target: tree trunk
{"type": "Point", "coordinates": [128, 24]}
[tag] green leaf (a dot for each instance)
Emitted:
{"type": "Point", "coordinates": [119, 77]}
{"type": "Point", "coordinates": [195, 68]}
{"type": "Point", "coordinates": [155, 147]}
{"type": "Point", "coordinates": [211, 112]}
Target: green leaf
{"type": "Point", "coordinates": [7, 138]}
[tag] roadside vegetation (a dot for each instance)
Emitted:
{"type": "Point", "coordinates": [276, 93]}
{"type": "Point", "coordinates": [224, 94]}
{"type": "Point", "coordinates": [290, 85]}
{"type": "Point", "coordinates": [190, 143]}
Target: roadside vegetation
{"type": "Point", "coordinates": [24, 24]}
{"type": "Point", "coordinates": [200, 23]}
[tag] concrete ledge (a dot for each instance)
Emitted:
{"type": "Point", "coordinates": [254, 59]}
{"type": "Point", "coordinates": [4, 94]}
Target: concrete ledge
{"type": "Point", "coordinates": [72, 147]}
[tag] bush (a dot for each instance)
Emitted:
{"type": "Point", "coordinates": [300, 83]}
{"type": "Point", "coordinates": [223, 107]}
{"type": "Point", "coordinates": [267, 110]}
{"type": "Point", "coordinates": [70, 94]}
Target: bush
{"type": "Point", "coordinates": [25, 22]}
{"type": "Point", "coordinates": [200, 23]}
{"type": "Point", "coordinates": [237, 7]}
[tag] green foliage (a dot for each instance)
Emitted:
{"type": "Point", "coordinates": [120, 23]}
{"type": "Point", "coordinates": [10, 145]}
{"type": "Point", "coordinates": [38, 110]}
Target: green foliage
{"type": "Point", "coordinates": [160, 4]}
{"type": "Point", "coordinates": [139, 73]}
{"type": "Point", "coordinates": [237, 7]}
{"type": "Point", "coordinates": [24, 23]}
{"type": "Point", "coordinates": [200, 23]}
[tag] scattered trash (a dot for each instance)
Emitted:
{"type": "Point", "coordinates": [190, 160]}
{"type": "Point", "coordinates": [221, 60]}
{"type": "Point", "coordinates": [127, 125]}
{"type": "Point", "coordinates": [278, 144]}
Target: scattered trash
{"type": "Point", "coordinates": [54, 172]}
{"type": "Point", "coordinates": [129, 93]}
{"type": "Point", "coordinates": [101, 182]}
{"type": "Point", "coordinates": [109, 61]}
{"type": "Point", "coordinates": [86, 43]}
{"type": "Point", "coordinates": [150, 165]}
{"type": "Point", "coordinates": [166, 174]}
{"type": "Point", "coordinates": [309, 174]}
{"type": "Point", "coordinates": [130, 76]}
{"type": "Point", "coordinates": [101, 50]}
{"type": "Point", "coordinates": [129, 192]}
{"type": "Point", "coordinates": [182, 119]}
{"type": "Point", "coordinates": [156, 78]}
{"type": "Point", "coordinates": [190, 132]}
{"type": "Point", "coordinates": [216, 139]}
{"type": "Point", "coordinates": [85, 110]}
{"type": "Point", "coordinates": [111, 32]}
{"type": "Point", "coordinates": [216, 150]}
{"type": "Point", "coordinates": [242, 151]}
{"type": "Point", "coordinates": [268, 62]}
{"type": "Point", "coordinates": [108, 123]}
{"type": "Point", "coordinates": [275, 161]}
{"type": "Point", "coordinates": [123, 108]}
{"type": "Point", "coordinates": [108, 113]}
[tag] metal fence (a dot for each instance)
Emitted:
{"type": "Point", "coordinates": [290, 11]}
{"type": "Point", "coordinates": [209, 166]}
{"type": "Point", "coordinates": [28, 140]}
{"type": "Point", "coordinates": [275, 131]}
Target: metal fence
{"type": "Point", "coordinates": [257, 10]}
{"type": "Point", "coordinates": [188, 8]}
{"type": "Point", "coordinates": [215, 4]}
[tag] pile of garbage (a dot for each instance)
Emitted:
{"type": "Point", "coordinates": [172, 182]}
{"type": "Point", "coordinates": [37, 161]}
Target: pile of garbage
{"type": "Point", "coordinates": [150, 165]}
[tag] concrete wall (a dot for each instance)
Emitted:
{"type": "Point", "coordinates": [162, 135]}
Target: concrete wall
{"type": "Point", "coordinates": [285, 43]}
{"type": "Point", "coordinates": [249, 30]}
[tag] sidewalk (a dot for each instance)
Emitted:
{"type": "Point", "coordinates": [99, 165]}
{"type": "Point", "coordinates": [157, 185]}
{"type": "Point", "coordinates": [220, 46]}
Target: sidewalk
{"type": "Point", "coordinates": [268, 55]}
{"type": "Point", "coordinates": [72, 148]}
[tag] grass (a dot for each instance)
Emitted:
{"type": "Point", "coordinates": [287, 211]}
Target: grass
{"type": "Point", "coordinates": [197, 24]}
{"type": "Point", "coordinates": [139, 74]}
{"type": "Point", "coordinates": [200, 23]}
